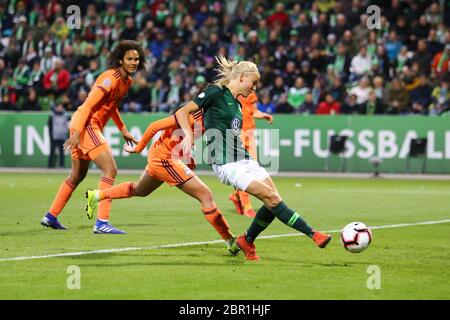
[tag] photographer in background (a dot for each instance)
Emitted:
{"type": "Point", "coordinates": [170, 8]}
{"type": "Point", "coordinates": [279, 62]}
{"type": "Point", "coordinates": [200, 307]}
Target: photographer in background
{"type": "Point", "coordinates": [58, 129]}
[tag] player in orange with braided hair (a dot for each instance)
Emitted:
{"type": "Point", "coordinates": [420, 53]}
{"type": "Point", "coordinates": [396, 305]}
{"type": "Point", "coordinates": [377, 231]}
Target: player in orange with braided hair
{"type": "Point", "coordinates": [87, 142]}
{"type": "Point", "coordinates": [250, 112]}
{"type": "Point", "coordinates": [165, 165]}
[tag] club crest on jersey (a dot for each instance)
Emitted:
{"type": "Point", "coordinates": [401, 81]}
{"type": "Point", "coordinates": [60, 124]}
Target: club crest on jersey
{"type": "Point", "coordinates": [106, 82]}
{"type": "Point", "coordinates": [236, 125]}
{"type": "Point", "coordinates": [201, 95]}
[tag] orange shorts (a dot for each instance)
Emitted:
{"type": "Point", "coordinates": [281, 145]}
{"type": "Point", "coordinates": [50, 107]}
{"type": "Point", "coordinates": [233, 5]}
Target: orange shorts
{"type": "Point", "coordinates": [173, 172]}
{"type": "Point", "coordinates": [92, 143]}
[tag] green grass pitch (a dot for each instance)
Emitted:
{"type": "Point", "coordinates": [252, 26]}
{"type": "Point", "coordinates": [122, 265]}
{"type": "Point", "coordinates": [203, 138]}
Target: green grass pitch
{"type": "Point", "coordinates": [414, 261]}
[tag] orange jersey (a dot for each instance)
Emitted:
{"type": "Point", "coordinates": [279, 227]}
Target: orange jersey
{"type": "Point", "coordinates": [168, 145]}
{"type": "Point", "coordinates": [164, 146]}
{"type": "Point", "coordinates": [248, 122]}
{"type": "Point", "coordinates": [103, 101]}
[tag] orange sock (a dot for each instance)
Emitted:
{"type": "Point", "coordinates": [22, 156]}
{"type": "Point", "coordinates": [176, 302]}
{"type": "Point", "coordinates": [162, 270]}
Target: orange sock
{"type": "Point", "coordinates": [62, 196]}
{"type": "Point", "coordinates": [104, 206]}
{"type": "Point", "coordinates": [217, 220]}
{"type": "Point", "coordinates": [123, 190]}
{"type": "Point", "coordinates": [246, 203]}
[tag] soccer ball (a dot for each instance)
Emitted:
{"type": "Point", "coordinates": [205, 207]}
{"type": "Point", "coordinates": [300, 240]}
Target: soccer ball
{"type": "Point", "coordinates": [356, 237]}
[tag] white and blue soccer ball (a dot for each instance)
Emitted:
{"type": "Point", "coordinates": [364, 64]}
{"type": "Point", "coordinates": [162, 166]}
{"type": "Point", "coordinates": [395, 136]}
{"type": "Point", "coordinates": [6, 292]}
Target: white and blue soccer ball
{"type": "Point", "coordinates": [356, 237]}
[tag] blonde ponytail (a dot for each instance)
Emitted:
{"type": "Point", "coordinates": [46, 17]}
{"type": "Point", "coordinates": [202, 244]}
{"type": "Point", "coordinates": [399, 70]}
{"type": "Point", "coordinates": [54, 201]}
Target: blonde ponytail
{"type": "Point", "coordinates": [228, 70]}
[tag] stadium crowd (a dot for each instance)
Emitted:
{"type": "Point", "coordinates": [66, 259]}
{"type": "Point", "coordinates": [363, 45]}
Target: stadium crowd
{"type": "Point", "coordinates": [314, 57]}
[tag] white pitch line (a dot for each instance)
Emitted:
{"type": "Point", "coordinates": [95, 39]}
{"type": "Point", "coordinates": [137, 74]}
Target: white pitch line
{"type": "Point", "coordinates": [189, 244]}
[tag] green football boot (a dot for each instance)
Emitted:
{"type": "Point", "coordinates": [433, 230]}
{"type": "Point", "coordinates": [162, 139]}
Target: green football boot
{"type": "Point", "coordinates": [92, 202]}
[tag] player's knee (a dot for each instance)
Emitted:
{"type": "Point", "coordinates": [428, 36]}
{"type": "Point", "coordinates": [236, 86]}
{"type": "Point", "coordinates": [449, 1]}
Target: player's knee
{"type": "Point", "coordinates": [271, 198]}
{"type": "Point", "coordinates": [76, 178]}
{"type": "Point", "coordinates": [206, 198]}
{"type": "Point", "coordinates": [110, 172]}
{"type": "Point", "coordinates": [141, 193]}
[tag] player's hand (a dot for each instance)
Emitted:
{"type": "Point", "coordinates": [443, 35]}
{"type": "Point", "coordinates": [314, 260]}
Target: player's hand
{"type": "Point", "coordinates": [186, 145]}
{"type": "Point", "coordinates": [128, 148]}
{"type": "Point", "coordinates": [268, 118]}
{"type": "Point", "coordinates": [72, 142]}
{"type": "Point", "coordinates": [129, 138]}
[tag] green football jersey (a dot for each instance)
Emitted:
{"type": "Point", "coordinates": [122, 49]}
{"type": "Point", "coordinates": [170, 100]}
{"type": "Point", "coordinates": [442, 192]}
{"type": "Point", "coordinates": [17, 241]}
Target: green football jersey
{"type": "Point", "coordinates": [222, 116]}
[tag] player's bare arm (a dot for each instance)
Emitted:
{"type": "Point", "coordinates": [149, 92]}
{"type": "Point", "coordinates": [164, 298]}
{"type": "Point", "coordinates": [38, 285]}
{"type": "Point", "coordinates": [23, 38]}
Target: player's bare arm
{"type": "Point", "coordinates": [182, 116]}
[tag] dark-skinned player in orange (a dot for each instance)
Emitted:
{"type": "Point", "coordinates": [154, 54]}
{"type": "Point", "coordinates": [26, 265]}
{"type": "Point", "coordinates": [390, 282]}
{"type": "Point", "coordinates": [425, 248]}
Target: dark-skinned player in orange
{"type": "Point", "coordinates": [87, 142]}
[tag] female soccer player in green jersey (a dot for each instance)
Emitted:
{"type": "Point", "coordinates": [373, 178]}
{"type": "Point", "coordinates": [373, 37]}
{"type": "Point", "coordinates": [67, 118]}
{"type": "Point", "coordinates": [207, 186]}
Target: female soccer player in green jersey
{"type": "Point", "coordinates": [230, 161]}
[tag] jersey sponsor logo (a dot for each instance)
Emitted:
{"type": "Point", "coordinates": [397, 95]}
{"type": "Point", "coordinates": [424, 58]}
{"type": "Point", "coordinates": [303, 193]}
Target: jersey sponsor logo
{"type": "Point", "coordinates": [201, 95]}
{"type": "Point", "coordinates": [106, 83]}
{"type": "Point", "coordinates": [236, 125]}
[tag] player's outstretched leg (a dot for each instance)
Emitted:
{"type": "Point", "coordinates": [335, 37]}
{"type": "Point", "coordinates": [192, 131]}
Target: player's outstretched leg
{"type": "Point", "coordinates": [67, 187]}
{"type": "Point", "coordinates": [262, 220]}
{"type": "Point", "coordinates": [266, 192]}
{"type": "Point", "coordinates": [100, 227]}
{"type": "Point", "coordinates": [92, 197]}
{"type": "Point", "coordinates": [197, 189]}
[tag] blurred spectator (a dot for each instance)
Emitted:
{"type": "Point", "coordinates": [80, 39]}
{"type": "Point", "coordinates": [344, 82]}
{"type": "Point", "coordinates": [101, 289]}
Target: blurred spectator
{"type": "Point", "coordinates": [393, 46]}
{"type": "Point", "coordinates": [282, 106]}
{"type": "Point", "coordinates": [308, 106]}
{"type": "Point", "coordinates": [200, 84]}
{"type": "Point", "coordinates": [423, 56]}
{"type": "Point", "coordinates": [381, 92]}
{"type": "Point", "coordinates": [361, 32]}
{"type": "Point", "coordinates": [175, 93]}
{"type": "Point", "coordinates": [329, 106]}
{"type": "Point", "coordinates": [129, 32]}
{"type": "Point", "coordinates": [362, 90]}
{"type": "Point", "coordinates": [297, 93]}
{"type": "Point", "coordinates": [58, 129]}
{"type": "Point", "coordinates": [48, 61]}
{"type": "Point", "coordinates": [351, 105]}
{"type": "Point", "coordinates": [21, 76]}
{"type": "Point", "coordinates": [279, 19]}
{"type": "Point", "coordinates": [337, 90]}
{"type": "Point", "coordinates": [70, 59]}
{"type": "Point", "coordinates": [36, 77]}
{"type": "Point", "coordinates": [433, 14]}
{"type": "Point", "coordinates": [6, 104]}
{"type": "Point", "coordinates": [403, 59]}
{"type": "Point", "coordinates": [422, 93]}
{"type": "Point", "coordinates": [440, 98]}
{"type": "Point", "coordinates": [57, 80]}
{"type": "Point", "coordinates": [361, 64]}
{"type": "Point", "coordinates": [398, 98]}
{"type": "Point", "coordinates": [158, 96]}
{"type": "Point", "coordinates": [265, 104]}
{"type": "Point", "coordinates": [342, 61]}
{"type": "Point", "coordinates": [21, 29]}
{"type": "Point", "coordinates": [59, 28]}
{"type": "Point", "coordinates": [278, 88]}
{"type": "Point", "coordinates": [81, 97]}
{"type": "Point", "coordinates": [373, 106]}
{"type": "Point", "coordinates": [317, 91]}
{"type": "Point", "coordinates": [31, 103]}
{"type": "Point", "coordinates": [306, 73]}
{"type": "Point", "coordinates": [441, 62]}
